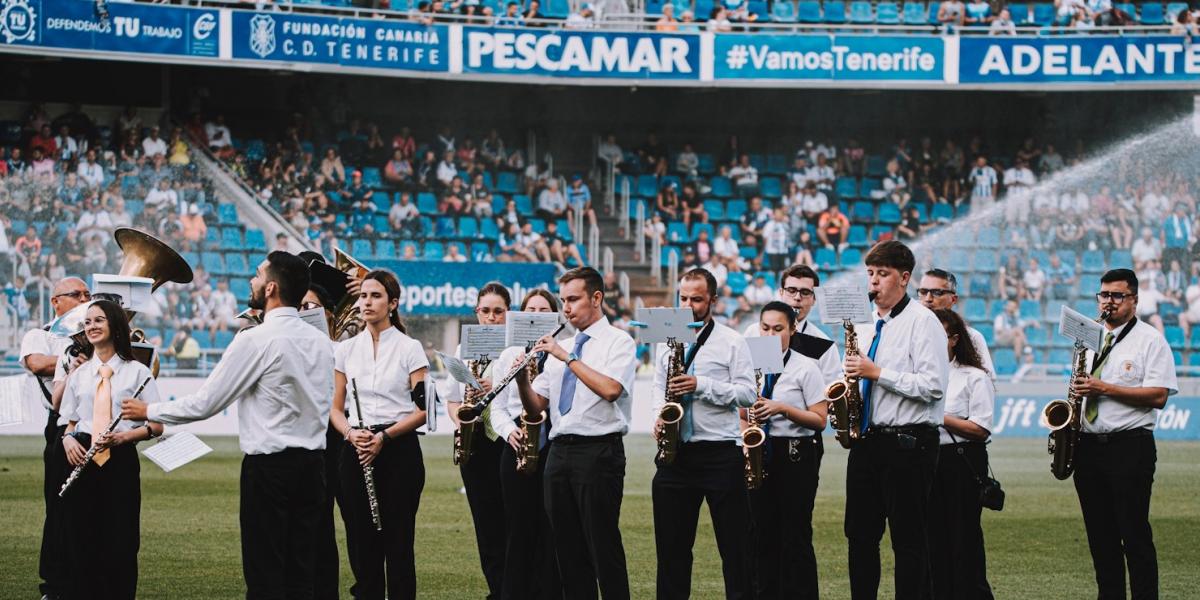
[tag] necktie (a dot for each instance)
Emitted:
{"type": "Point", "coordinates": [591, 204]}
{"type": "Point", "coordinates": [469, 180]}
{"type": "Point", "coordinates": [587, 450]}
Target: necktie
{"type": "Point", "coordinates": [868, 384]}
{"type": "Point", "coordinates": [102, 411]}
{"type": "Point", "coordinates": [1092, 410]}
{"type": "Point", "coordinates": [566, 397]}
{"type": "Point", "coordinates": [687, 428]}
{"type": "Point", "coordinates": [769, 393]}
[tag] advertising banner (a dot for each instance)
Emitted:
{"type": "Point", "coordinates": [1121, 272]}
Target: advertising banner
{"type": "Point", "coordinates": [1085, 60]}
{"type": "Point", "coordinates": [293, 37]}
{"type": "Point", "coordinates": [828, 57]}
{"type": "Point", "coordinates": [1019, 416]}
{"type": "Point", "coordinates": [563, 53]}
{"type": "Point", "coordinates": [130, 28]}
{"type": "Point", "coordinates": [449, 289]}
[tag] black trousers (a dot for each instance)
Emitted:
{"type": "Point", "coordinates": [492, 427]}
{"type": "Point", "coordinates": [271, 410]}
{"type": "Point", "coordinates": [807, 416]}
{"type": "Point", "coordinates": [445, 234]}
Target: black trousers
{"type": "Point", "coordinates": [888, 481]}
{"type": "Point", "coordinates": [530, 571]}
{"type": "Point", "coordinates": [481, 477]}
{"type": "Point", "coordinates": [102, 523]}
{"type": "Point", "coordinates": [384, 561]}
{"type": "Point", "coordinates": [584, 484]}
{"type": "Point", "coordinates": [956, 550]}
{"type": "Point", "coordinates": [702, 471]}
{"type": "Point", "coordinates": [327, 565]}
{"type": "Point", "coordinates": [282, 497]}
{"type": "Point", "coordinates": [51, 560]}
{"type": "Point", "coordinates": [785, 565]}
{"type": "Point", "coordinates": [1114, 475]}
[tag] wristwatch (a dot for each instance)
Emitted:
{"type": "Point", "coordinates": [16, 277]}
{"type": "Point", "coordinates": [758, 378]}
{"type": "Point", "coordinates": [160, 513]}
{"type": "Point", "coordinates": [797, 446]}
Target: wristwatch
{"type": "Point", "coordinates": [149, 431]}
{"type": "Point", "coordinates": [572, 357]}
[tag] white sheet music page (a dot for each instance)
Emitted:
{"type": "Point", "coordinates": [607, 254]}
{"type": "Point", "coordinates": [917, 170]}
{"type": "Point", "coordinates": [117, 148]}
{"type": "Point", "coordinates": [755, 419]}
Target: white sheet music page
{"type": "Point", "coordinates": [843, 302]}
{"type": "Point", "coordinates": [176, 450]}
{"type": "Point", "coordinates": [458, 370]}
{"type": "Point", "coordinates": [521, 328]}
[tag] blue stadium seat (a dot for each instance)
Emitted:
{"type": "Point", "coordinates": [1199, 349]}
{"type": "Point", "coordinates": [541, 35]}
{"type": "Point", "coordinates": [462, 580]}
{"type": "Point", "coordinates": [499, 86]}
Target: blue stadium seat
{"type": "Point", "coordinates": [426, 203]}
{"type": "Point", "coordinates": [715, 209]}
{"type": "Point", "coordinates": [886, 13]}
{"type": "Point", "coordinates": [1031, 310]}
{"type": "Point", "coordinates": [1127, 8]}
{"type": "Point", "coordinates": [986, 261]}
{"type": "Point", "coordinates": [443, 227]}
{"type": "Point", "coordinates": [1067, 256]}
{"type": "Point", "coordinates": [538, 225]}
{"type": "Point", "coordinates": [758, 8]}
{"type": "Point", "coordinates": [933, 12]}
{"type": "Point", "coordinates": [1037, 336]}
{"type": "Point", "coordinates": [737, 282]}
{"type": "Point", "coordinates": [846, 188]}
{"type": "Point", "coordinates": [868, 185]}
{"type": "Point", "coordinates": [777, 164]}
{"type": "Point", "coordinates": [1194, 339]}
{"type": "Point", "coordinates": [734, 209]}
{"type": "Point", "coordinates": [255, 240]}
{"type": "Point", "coordinates": [770, 187]}
{"type": "Point", "coordinates": [524, 204]}
{"type": "Point", "coordinates": [1093, 261]}
{"type": "Point", "coordinates": [1178, 357]}
{"type": "Point", "coordinates": [227, 214]}
{"type": "Point", "coordinates": [941, 211]}
{"type": "Point", "coordinates": [361, 248]}
{"type": "Point", "coordinates": [1174, 335]}
{"type": "Point", "coordinates": [647, 186]}
{"type": "Point", "coordinates": [1120, 259]}
{"type": "Point", "coordinates": [989, 237]}
{"type": "Point", "coordinates": [489, 230]}
{"type": "Point", "coordinates": [835, 12]}
{"type": "Point", "coordinates": [1005, 360]}
{"type": "Point", "coordinates": [481, 251]}
{"type": "Point", "coordinates": [981, 285]}
{"type": "Point", "coordinates": [703, 9]}
{"type": "Point", "coordinates": [372, 178]}
{"type": "Point", "coordinates": [1019, 13]}
{"type": "Point", "coordinates": [468, 227]}
{"type": "Point", "coordinates": [889, 213]}
{"type": "Point", "coordinates": [826, 259]}
{"type": "Point", "coordinates": [851, 258]}
{"type": "Point", "coordinates": [914, 13]}
{"type": "Point", "coordinates": [1059, 357]}
{"type": "Point", "coordinates": [858, 236]}
{"type": "Point", "coordinates": [721, 186]}
{"type": "Point", "coordinates": [809, 11]}
{"type": "Point", "coordinates": [708, 162]}
{"type": "Point", "coordinates": [698, 227]}
{"type": "Point", "coordinates": [223, 338]}
{"type": "Point", "coordinates": [1043, 14]}
{"type": "Point", "coordinates": [861, 12]}
{"type": "Point", "coordinates": [748, 251]}
{"type": "Point", "coordinates": [434, 251]}
{"type": "Point", "coordinates": [554, 9]}
{"type": "Point", "coordinates": [231, 238]}
{"type": "Point", "coordinates": [677, 232]}
{"type": "Point", "coordinates": [240, 288]}
{"type": "Point", "coordinates": [863, 211]}
{"type": "Point", "coordinates": [235, 263]}
{"type": "Point", "coordinates": [385, 250]}
{"type": "Point", "coordinates": [988, 333]}
{"type": "Point", "coordinates": [506, 183]}
{"type": "Point", "coordinates": [213, 263]}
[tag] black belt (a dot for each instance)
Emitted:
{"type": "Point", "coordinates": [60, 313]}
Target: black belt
{"type": "Point", "coordinates": [380, 427]}
{"type": "Point", "coordinates": [893, 430]}
{"type": "Point", "coordinates": [570, 438]}
{"type": "Point", "coordinates": [1104, 438]}
{"type": "Point", "coordinates": [813, 439]}
{"type": "Point", "coordinates": [710, 443]}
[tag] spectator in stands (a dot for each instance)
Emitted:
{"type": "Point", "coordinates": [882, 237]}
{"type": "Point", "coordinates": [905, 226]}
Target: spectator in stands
{"type": "Point", "coordinates": [692, 205]}
{"type": "Point", "coordinates": [452, 254]}
{"type": "Point", "coordinates": [656, 228]}
{"type": "Point", "coordinates": [154, 145]}
{"type": "Point", "coordinates": [512, 16]}
{"type": "Point", "coordinates": [551, 204]}
{"type": "Point", "coordinates": [1003, 24]}
{"type": "Point", "coordinates": [579, 201]}
{"type": "Point", "coordinates": [952, 14]}
{"type": "Point", "coordinates": [480, 196]}
{"type": "Point", "coordinates": [1176, 234]}
{"type": "Point", "coordinates": [72, 192]}
{"type": "Point", "coordinates": [1148, 299]}
{"type": "Point", "coordinates": [653, 155]}
{"type": "Point", "coordinates": [910, 226]}
{"type": "Point", "coordinates": [406, 144]}
{"type": "Point", "coordinates": [177, 150]}
{"type": "Point", "coordinates": [29, 246]}
{"type": "Point", "coordinates": [94, 222]}
{"type": "Point", "coordinates": [758, 292]}
{"type": "Point", "coordinates": [225, 308]}
{"type": "Point", "coordinates": [446, 170]}
{"type": "Point", "coordinates": [823, 175]}
{"type": "Point", "coordinates": [799, 174]}
{"type": "Point", "coordinates": [1051, 161]}
{"type": "Point", "coordinates": [404, 218]}
{"type": "Point", "coordinates": [833, 228]}
{"type": "Point", "coordinates": [492, 151]}
{"type": "Point", "coordinates": [1191, 309]}
{"type": "Point", "coordinates": [687, 22]}
{"type": "Point", "coordinates": [357, 191]}
{"type": "Point", "coordinates": [89, 170]}
{"type": "Point", "coordinates": [777, 237]}
{"type": "Point", "coordinates": [533, 244]}
{"type": "Point", "coordinates": [895, 188]}
{"type": "Point", "coordinates": [738, 11]}
{"type": "Point", "coordinates": [584, 19]}
{"type": "Point", "coordinates": [43, 140]}
{"type": "Point", "coordinates": [362, 217]}
{"type": "Point", "coordinates": [1070, 233]}
{"type": "Point", "coordinates": [753, 221]}
{"type": "Point", "coordinates": [1176, 282]}
{"type": "Point", "coordinates": [813, 202]}
{"type": "Point", "coordinates": [41, 165]}
{"type": "Point", "coordinates": [668, 204]}
{"type": "Point", "coordinates": [398, 172]}
{"type": "Point", "coordinates": [162, 196]}
{"type": "Point", "coordinates": [220, 140]}
{"type": "Point", "coordinates": [610, 153]}
{"type": "Point", "coordinates": [667, 21]}
{"type": "Point", "coordinates": [1010, 278]}
{"type": "Point", "coordinates": [1146, 248]}
{"type": "Point", "coordinates": [184, 348]}
{"type": "Point", "coordinates": [745, 177]}
{"type": "Point", "coordinates": [1018, 185]}
{"type": "Point", "coordinates": [1009, 329]}
{"type": "Point", "coordinates": [687, 163]}
{"type": "Point", "coordinates": [718, 20]}
{"type": "Point", "coordinates": [454, 200]}
{"type": "Point", "coordinates": [985, 184]}
{"type": "Point", "coordinates": [194, 228]}
{"type": "Point", "coordinates": [332, 169]}
{"type": "Point", "coordinates": [17, 165]}
{"type": "Point", "coordinates": [1033, 281]}
{"type": "Point", "coordinates": [718, 270]}
{"type": "Point", "coordinates": [1184, 25]}
{"type": "Point", "coordinates": [612, 295]}
{"type": "Point", "coordinates": [508, 247]}
{"type": "Point", "coordinates": [169, 227]}
{"type": "Point", "coordinates": [533, 12]}
{"type": "Point", "coordinates": [1061, 278]}
{"type": "Point", "coordinates": [560, 248]}
{"type": "Point", "coordinates": [466, 153]}
{"type": "Point", "coordinates": [978, 13]}
{"type": "Point", "coordinates": [854, 160]}
{"type": "Point", "coordinates": [726, 249]}
{"type": "Point", "coordinates": [67, 148]}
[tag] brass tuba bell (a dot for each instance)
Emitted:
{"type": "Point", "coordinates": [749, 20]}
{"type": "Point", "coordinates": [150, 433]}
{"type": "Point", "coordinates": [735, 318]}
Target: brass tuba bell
{"type": "Point", "coordinates": [149, 257]}
{"type": "Point", "coordinates": [346, 319]}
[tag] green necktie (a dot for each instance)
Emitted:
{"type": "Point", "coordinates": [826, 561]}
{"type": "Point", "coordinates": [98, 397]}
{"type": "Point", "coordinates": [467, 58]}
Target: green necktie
{"type": "Point", "coordinates": [1092, 410]}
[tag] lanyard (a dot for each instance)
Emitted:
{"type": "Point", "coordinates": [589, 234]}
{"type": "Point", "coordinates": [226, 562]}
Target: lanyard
{"type": "Point", "coordinates": [695, 349]}
{"type": "Point", "coordinates": [1098, 360]}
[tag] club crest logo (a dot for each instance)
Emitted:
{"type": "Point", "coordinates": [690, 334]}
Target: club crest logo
{"type": "Point", "coordinates": [262, 35]}
{"type": "Point", "coordinates": [18, 21]}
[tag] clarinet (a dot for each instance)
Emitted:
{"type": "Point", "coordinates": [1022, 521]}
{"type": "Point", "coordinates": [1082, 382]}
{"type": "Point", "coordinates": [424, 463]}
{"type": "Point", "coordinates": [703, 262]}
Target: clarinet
{"type": "Point", "coordinates": [368, 470]}
{"type": "Point", "coordinates": [91, 452]}
{"type": "Point", "coordinates": [475, 410]}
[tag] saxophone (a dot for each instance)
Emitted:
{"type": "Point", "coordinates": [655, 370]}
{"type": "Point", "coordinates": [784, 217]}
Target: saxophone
{"type": "Point", "coordinates": [465, 434]}
{"type": "Point", "coordinates": [753, 438]}
{"type": "Point", "coordinates": [368, 470]}
{"type": "Point", "coordinates": [1062, 418]}
{"type": "Point", "coordinates": [845, 399]}
{"type": "Point", "coordinates": [671, 412]}
{"type": "Point", "coordinates": [531, 428]}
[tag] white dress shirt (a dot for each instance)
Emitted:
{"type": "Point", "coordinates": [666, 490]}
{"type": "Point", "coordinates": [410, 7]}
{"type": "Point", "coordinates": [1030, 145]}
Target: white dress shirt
{"type": "Point", "coordinates": [381, 375]}
{"type": "Point", "coordinates": [970, 395]}
{"type": "Point", "coordinates": [40, 341]}
{"type": "Point", "coordinates": [80, 392]}
{"type": "Point", "coordinates": [1142, 359]}
{"type": "Point", "coordinates": [724, 382]}
{"type": "Point", "coordinates": [801, 385]}
{"type": "Point", "coordinates": [981, 347]}
{"type": "Point", "coordinates": [830, 362]}
{"type": "Point", "coordinates": [612, 353]}
{"type": "Point", "coordinates": [282, 371]}
{"type": "Point", "coordinates": [914, 363]}
{"type": "Point", "coordinates": [507, 407]}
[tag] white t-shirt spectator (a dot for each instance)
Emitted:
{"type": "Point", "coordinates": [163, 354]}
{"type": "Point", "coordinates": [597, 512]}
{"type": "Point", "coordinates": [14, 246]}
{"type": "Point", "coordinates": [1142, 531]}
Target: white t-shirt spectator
{"type": "Point", "coordinates": [218, 135]}
{"type": "Point", "coordinates": [610, 152]}
{"type": "Point", "coordinates": [402, 212]}
{"type": "Point", "coordinates": [68, 148]}
{"type": "Point", "coordinates": [687, 162]}
{"type": "Point", "coordinates": [822, 175]}
{"type": "Point", "coordinates": [718, 271]}
{"type": "Point", "coordinates": [1154, 207]}
{"type": "Point", "coordinates": [1018, 180]}
{"type": "Point", "coordinates": [1148, 300]}
{"type": "Point", "coordinates": [814, 203]}
{"type": "Point", "coordinates": [775, 236]}
{"type": "Point", "coordinates": [725, 247]}
{"type": "Point", "coordinates": [759, 295]}
{"type": "Point", "coordinates": [744, 176]}
{"type": "Point", "coordinates": [94, 223]}
{"type": "Point", "coordinates": [152, 146]}
{"type": "Point", "coordinates": [1035, 279]}
{"type": "Point", "coordinates": [552, 201]}
{"type": "Point", "coordinates": [446, 172]}
{"type": "Point", "coordinates": [224, 304]}
{"type": "Point", "coordinates": [90, 173]}
{"type": "Point", "coordinates": [1143, 250]}
{"type": "Point", "coordinates": [1076, 203]}
{"type": "Point", "coordinates": [458, 257]}
{"type": "Point", "coordinates": [162, 198]}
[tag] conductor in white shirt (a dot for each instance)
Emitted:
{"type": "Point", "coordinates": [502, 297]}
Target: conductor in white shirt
{"type": "Point", "coordinates": [280, 372]}
{"type": "Point", "coordinates": [903, 368]}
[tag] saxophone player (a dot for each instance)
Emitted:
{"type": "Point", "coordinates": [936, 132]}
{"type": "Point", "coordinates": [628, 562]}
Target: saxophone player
{"type": "Point", "coordinates": [1128, 384]}
{"type": "Point", "coordinates": [890, 470]}
{"type": "Point", "coordinates": [587, 385]}
{"type": "Point", "coordinates": [797, 286]}
{"type": "Point", "coordinates": [530, 570]}
{"type": "Point", "coordinates": [793, 408]}
{"type": "Point", "coordinates": [718, 379]}
{"type": "Point", "coordinates": [386, 369]}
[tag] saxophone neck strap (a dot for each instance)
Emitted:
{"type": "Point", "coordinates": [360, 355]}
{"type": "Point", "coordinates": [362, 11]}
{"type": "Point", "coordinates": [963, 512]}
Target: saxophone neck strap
{"type": "Point", "coordinates": [1100, 358]}
{"type": "Point", "coordinates": [690, 357]}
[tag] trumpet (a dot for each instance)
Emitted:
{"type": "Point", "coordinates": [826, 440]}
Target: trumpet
{"type": "Point", "coordinates": [468, 418]}
{"type": "Point", "coordinates": [670, 414]}
{"type": "Point", "coordinates": [753, 438]}
{"type": "Point", "coordinates": [91, 452]}
{"type": "Point", "coordinates": [1062, 418]}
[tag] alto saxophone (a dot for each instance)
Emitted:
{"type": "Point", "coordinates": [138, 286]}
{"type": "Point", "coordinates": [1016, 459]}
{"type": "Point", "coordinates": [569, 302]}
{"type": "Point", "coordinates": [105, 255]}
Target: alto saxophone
{"type": "Point", "coordinates": [845, 399]}
{"type": "Point", "coordinates": [368, 470]}
{"type": "Point", "coordinates": [531, 429]}
{"type": "Point", "coordinates": [1062, 418]}
{"type": "Point", "coordinates": [753, 438]}
{"type": "Point", "coordinates": [465, 435]}
{"type": "Point", "coordinates": [671, 413]}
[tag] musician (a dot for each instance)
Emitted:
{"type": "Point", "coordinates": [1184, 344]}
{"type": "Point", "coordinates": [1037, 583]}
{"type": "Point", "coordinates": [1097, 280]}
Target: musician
{"type": "Point", "coordinates": [903, 373]}
{"type": "Point", "coordinates": [481, 474]}
{"type": "Point", "coordinates": [587, 385]}
{"type": "Point", "coordinates": [279, 374]}
{"type": "Point", "coordinates": [797, 286]}
{"type": "Point", "coordinates": [102, 509]}
{"type": "Point", "coordinates": [793, 409]}
{"type": "Point", "coordinates": [1114, 463]}
{"type": "Point", "coordinates": [327, 562]}
{"type": "Point", "coordinates": [386, 369]}
{"type": "Point", "coordinates": [955, 535]}
{"type": "Point", "coordinates": [530, 570]}
{"type": "Point", "coordinates": [40, 353]}
{"type": "Point", "coordinates": [718, 378]}
{"type": "Point", "coordinates": [939, 289]}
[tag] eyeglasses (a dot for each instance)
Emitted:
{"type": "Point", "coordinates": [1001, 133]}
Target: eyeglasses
{"type": "Point", "coordinates": [933, 292]}
{"type": "Point", "coordinates": [310, 305]}
{"type": "Point", "coordinates": [77, 294]}
{"type": "Point", "coordinates": [1117, 297]}
{"type": "Point", "coordinates": [490, 311]}
{"type": "Point", "coordinates": [802, 292]}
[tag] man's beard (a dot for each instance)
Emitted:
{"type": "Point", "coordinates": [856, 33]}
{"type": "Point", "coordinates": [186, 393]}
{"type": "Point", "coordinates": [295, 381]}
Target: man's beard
{"type": "Point", "coordinates": [258, 300]}
{"type": "Point", "coordinates": [702, 317]}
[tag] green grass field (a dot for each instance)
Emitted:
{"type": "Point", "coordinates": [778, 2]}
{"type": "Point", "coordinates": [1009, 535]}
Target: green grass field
{"type": "Point", "coordinates": [190, 546]}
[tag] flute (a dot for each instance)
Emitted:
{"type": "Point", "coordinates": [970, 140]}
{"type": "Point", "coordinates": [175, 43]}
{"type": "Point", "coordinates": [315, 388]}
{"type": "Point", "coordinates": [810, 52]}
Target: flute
{"type": "Point", "coordinates": [470, 412]}
{"type": "Point", "coordinates": [368, 470]}
{"type": "Point", "coordinates": [91, 452]}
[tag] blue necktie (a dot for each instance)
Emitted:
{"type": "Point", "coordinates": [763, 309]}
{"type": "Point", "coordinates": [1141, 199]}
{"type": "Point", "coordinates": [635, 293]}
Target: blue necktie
{"type": "Point", "coordinates": [686, 429]}
{"type": "Point", "coordinates": [566, 398]}
{"type": "Point", "coordinates": [769, 393]}
{"type": "Point", "coordinates": [868, 384]}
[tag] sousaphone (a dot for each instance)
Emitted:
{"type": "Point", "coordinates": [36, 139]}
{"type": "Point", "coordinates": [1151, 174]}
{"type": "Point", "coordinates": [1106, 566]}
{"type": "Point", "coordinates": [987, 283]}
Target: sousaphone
{"type": "Point", "coordinates": [149, 257]}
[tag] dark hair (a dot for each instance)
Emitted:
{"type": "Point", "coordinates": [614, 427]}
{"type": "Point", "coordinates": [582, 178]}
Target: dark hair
{"type": "Point", "coordinates": [391, 286]}
{"type": "Point", "coordinates": [543, 293]}
{"type": "Point", "coordinates": [964, 350]}
{"type": "Point", "coordinates": [290, 274]}
{"type": "Point", "coordinates": [118, 327]}
{"type": "Point", "coordinates": [800, 272]}
{"type": "Point", "coordinates": [497, 288]}
{"type": "Point", "coordinates": [308, 256]}
{"type": "Point", "coordinates": [322, 295]}
{"type": "Point", "coordinates": [592, 280]}
{"type": "Point", "coordinates": [944, 274]}
{"type": "Point", "coordinates": [700, 273]}
{"type": "Point", "coordinates": [780, 307]}
{"type": "Point", "coordinates": [1126, 275]}
{"type": "Point", "coordinates": [891, 254]}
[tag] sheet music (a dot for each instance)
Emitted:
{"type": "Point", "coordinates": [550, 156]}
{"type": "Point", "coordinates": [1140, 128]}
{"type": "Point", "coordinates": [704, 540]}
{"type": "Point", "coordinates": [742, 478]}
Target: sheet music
{"type": "Point", "coordinates": [459, 370]}
{"type": "Point", "coordinates": [316, 318]}
{"type": "Point", "coordinates": [766, 353]}
{"type": "Point", "coordinates": [664, 323]}
{"type": "Point", "coordinates": [522, 327]}
{"type": "Point", "coordinates": [12, 404]}
{"type": "Point", "coordinates": [843, 302]}
{"type": "Point", "coordinates": [481, 340]}
{"type": "Point", "coordinates": [176, 450]}
{"type": "Point", "coordinates": [431, 404]}
{"type": "Point", "coordinates": [1078, 327]}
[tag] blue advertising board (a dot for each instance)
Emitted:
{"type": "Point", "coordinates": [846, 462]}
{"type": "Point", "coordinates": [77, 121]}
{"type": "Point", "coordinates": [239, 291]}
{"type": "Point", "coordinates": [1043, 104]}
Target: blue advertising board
{"type": "Point", "coordinates": [828, 57]}
{"type": "Point", "coordinates": [565, 53]}
{"type": "Point", "coordinates": [1019, 415]}
{"type": "Point", "coordinates": [442, 288]}
{"type": "Point", "coordinates": [1085, 60]}
{"type": "Point", "coordinates": [130, 28]}
{"type": "Point", "coordinates": [294, 37]}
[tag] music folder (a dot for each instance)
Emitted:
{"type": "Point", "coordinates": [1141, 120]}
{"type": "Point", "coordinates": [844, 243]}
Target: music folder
{"type": "Point", "coordinates": [330, 278]}
{"type": "Point", "coordinates": [809, 345]}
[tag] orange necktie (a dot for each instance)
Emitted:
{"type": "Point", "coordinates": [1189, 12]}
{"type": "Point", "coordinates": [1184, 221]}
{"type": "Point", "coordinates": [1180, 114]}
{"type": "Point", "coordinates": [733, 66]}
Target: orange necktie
{"type": "Point", "coordinates": [102, 411]}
